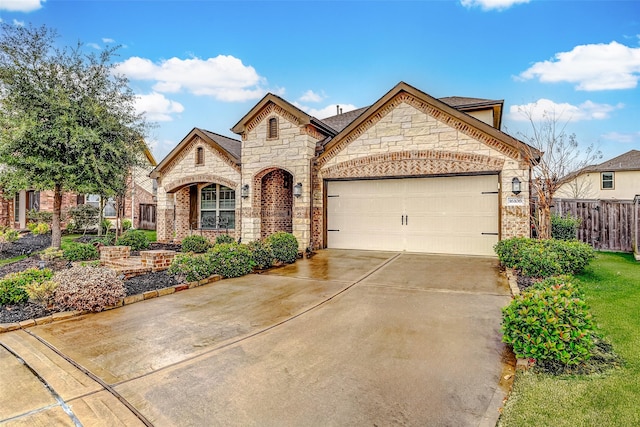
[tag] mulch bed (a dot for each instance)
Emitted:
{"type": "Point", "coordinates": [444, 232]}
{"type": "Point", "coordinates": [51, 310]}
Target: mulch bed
{"type": "Point", "coordinates": [25, 245]}
{"type": "Point", "coordinates": [19, 312]}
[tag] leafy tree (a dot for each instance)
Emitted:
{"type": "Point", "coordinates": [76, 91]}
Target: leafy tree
{"type": "Point", "coordinates": [68, 122]}
{"type": "Point", "coordinates": [561, 156]}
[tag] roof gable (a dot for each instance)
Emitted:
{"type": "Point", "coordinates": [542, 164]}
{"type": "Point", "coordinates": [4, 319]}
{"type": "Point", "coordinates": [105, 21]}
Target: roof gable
{"type": "Point", "coordinates": [228, 148]}
{"type": "Point", "coordinates": [460, 121]}
{"type": "Point", "coordinates": [282, 107]}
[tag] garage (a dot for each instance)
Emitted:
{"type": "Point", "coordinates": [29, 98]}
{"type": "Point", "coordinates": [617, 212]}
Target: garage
{"type": "Point", "coordinates": [452, 215]}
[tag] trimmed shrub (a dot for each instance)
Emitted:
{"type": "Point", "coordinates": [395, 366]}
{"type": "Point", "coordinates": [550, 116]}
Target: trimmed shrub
{"type": "Point", "coordinates": [137, 239]}
{"type": "Point", "coordinates": [508, 250]}
{"type": "Point", "coordinates": [190, 267]}
{"type": "Point", "coordinates": [564, 227]}
{"type": "Point", "coordinates": [231, 259]}
{"type": "Point", "coordinates": [13, 286]}
{"type": "Point", "coordinates": [224, 238]}
{"type": "Point", "coordinates": [284, 246]}
{"type": "Point", "coordinates": [41, 292]}
{"type": "Point", "coordinates": [554, 257]}
{"type": "Point", "coordinates": [80, 252]}
{"type": "Point", "coordinates": [39, 228]}
{"type": "Point", "coordinates": [126, 224]}
{"type": "Point", "coordinates": [196, 244]}
{"type": "Point", "coordinates": [549, 321]}
{"type": "Point", "coordinates": [544, 258]}
{"type": "Point", "coordinates": [88, 288]}
{"type": "Point", "coordinates": [262, 254]}
{"type": "Point", "coordinates": [50, 254]}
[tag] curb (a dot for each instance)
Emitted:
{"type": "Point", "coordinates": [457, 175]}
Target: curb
{"type": "Point", "coordinates": [128, 300]}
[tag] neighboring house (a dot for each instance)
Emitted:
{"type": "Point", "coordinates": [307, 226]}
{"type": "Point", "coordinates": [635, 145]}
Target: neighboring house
{"type": "Point", "coordinates": [410, 172]}
{"type": "Point", "coordinates": [139, 203]}
{"type": "Point", "coordinates": [618, 178]}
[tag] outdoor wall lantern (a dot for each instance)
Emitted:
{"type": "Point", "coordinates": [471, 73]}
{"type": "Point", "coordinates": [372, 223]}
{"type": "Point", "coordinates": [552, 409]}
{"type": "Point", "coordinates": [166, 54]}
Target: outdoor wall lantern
{"type": "Point", "coordinates": [245, 191]}
{"type": "Point", "coordinates": [515, 186]}
{"type": "Point", "coordinates": [297, 189]}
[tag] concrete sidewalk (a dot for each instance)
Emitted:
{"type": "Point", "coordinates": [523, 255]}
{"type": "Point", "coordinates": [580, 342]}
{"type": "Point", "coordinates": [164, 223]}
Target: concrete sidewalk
{"type": "Point", "coordinates": [346, 337]}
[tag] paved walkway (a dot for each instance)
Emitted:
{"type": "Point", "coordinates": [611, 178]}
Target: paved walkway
{"type": "Point", "coordinates": [345, 338]}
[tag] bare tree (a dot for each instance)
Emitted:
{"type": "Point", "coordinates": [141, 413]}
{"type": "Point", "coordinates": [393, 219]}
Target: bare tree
{"type": "Point", "coordinates": [561, 156]}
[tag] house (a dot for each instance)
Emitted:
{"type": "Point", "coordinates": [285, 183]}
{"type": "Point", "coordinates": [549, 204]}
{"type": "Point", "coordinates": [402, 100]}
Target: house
{"type": "Point", "coordinates": [139, 202]}
{"type": "Point", "coordinates": [618, 178]}
{"type": "Point", "coordinates": [410, 172]}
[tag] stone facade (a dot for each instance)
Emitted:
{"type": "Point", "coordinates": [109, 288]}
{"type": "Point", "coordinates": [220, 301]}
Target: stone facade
{"type": "Point", "coordinates": [291, 153]}
{"type": "Point", "coordinates": [410, 138]}
{"type": "Point", "coordinates": [405, 134]}
{"type": "Point", "coordinates": [175, 218]}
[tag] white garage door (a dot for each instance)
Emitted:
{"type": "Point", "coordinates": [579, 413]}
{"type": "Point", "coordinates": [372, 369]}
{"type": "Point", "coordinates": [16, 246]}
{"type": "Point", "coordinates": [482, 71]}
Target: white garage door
{"type": "Point", "coordinates": [453, 215]}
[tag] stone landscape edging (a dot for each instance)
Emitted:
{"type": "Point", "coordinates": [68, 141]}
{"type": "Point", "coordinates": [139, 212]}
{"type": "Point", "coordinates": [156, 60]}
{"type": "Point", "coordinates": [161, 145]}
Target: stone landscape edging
{"type": "Point", "coordinates": [128, 300]}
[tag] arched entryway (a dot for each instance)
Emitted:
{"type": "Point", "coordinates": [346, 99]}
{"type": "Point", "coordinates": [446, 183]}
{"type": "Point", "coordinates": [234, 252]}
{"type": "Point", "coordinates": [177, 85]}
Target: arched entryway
{"type": "Point", "coordinates": [276, 202]}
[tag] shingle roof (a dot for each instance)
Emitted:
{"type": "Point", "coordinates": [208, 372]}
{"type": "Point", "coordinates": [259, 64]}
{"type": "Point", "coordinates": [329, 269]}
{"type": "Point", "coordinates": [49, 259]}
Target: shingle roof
{"type": "Point", "coordinates": [627, 161]}
{"type": "Point", "coordinates": [341, 121]}
{"type": "Point", "coordinates": [465, 102]}
{"type": "Point", "coordinates": [232, 146]}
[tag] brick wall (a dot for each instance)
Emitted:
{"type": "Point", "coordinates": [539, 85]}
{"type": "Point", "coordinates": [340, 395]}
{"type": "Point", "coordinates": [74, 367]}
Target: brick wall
{"type": "Point", "coordinates": [276, 203]}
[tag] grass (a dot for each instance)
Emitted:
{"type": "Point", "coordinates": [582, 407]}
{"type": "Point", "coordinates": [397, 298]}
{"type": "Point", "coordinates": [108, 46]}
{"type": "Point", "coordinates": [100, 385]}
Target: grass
{"type": "Point", "coordinates": [612, 288]}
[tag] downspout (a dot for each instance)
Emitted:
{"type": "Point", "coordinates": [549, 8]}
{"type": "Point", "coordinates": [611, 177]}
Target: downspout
{"type": "Point", "coordinates": [310, 248]}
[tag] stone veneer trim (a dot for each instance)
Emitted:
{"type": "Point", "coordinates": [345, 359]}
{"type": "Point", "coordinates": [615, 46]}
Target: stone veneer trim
{"type": "Point", "coordinates": [200, 178]}
{"type": "Point", "coordinates": [340, 144]}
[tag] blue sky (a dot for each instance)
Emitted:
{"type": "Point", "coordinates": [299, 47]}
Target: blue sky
{"type": "Point", "coordinates": [206, 63]}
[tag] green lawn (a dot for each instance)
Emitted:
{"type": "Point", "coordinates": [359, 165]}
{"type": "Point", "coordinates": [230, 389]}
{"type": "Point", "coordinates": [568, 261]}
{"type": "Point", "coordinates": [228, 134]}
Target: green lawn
{"type": "Point", "coordinates": [612, 287]}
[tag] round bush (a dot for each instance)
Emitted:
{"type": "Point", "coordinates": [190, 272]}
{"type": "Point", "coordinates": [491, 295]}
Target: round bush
{"type": "Point", "coordinates": [190, 267]}
{"type": "Point", "coordinates": [80, 252]}
{"type": "Point", "coordinates": [224, 238]}
{"type": "Point", "coordinates": [262, 253]}
{"type": "Point", "coordinates": [196, 244]}
{"type": "Point", "coordinates": [549, 321]}
{"type": "Point", "coordinates": [284, 246]}
{"type": "Point", "coordinates": [88, 288]}
{"type": "Point", "coordinates": [137, 239]}
{"type": "Point", "coordinates": [231, 259]}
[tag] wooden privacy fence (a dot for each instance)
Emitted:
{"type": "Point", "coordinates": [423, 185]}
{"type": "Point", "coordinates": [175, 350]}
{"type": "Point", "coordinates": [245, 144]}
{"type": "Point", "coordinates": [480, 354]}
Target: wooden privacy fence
{"type": "Point", "coordinates": [610, 225]}
{"type": "Point", "coordinates": [147, 217]}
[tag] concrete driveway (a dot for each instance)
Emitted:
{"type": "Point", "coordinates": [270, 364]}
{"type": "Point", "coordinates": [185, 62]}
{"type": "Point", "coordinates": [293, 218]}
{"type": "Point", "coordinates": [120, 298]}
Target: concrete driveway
{"type": "Point", "coordinates": [345, 338]}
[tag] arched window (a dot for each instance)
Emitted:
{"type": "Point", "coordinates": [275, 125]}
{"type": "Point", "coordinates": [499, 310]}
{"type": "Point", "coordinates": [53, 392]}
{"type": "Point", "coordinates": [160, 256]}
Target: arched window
{"type": "Point", "coordinates": [217, 207]}
{"type": "Point", "coordinates": [272, 131]}
{"type": "Point", "coordinates": [199, 156]}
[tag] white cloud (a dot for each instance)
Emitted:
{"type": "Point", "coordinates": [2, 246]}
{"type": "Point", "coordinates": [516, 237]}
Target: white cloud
{"type": "Point", "coordinates": [108, 40]}
{"type": "Point", "coordinates": [311, 96]}
{"type": "Point", "coordinates": [18, 23]}
{"type": "Point", "coordinates": [21, 5]}
{"type": "Point", "coordinates": [157, 107]}
{"type": "Point", "coordinates": [94, 45]}
{"type": "Point", "coordinates": [224, 77]}
{"type": "Point", "coordinates": [328, 111]}
{"type": "Point", "coordinates": [624, 138]}
{"type": "Point", "coordinates": [491, 4]}
{"type": "Point", "coordinates": [592, 67]}
{"type": "Point", "coordinates": [544, 108]}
